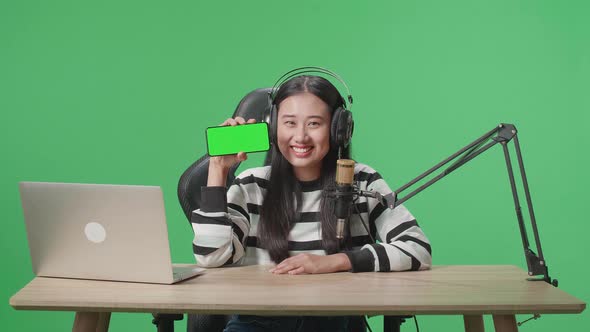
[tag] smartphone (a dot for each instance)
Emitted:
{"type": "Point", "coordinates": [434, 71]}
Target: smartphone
{"type": "Point", "coordinates": [225, 140]}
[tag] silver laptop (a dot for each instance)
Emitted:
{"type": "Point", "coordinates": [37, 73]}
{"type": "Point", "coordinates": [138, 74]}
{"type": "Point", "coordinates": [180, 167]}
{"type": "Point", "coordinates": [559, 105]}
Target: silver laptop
{"type": "Point", "coordinates": [95, 231]}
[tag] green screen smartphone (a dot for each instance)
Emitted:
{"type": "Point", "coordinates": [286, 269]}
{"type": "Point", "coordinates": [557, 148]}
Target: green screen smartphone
{"type": "Point", "coordinates": [224, 140]}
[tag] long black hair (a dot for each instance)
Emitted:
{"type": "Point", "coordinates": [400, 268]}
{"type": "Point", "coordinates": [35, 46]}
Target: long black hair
{"type": "Point", "coordinates": [283, 195]}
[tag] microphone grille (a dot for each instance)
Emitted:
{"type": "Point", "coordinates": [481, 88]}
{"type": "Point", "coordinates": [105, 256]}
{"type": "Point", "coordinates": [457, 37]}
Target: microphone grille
{"type": "Point", "coordinates": [344, 171]}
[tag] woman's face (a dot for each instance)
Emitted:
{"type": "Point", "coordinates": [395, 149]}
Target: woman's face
{"type": "Point", "coordinates": [303, 134]}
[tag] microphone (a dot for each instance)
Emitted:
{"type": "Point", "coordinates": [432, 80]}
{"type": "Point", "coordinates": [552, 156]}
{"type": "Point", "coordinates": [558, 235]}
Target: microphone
{"type": "Point", "coordinates": [344, 194]}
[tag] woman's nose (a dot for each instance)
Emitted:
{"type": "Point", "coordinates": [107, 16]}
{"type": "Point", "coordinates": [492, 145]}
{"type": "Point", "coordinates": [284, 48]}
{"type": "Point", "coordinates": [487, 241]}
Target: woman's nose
{"type": "Point", "coordinates": [301, 134]}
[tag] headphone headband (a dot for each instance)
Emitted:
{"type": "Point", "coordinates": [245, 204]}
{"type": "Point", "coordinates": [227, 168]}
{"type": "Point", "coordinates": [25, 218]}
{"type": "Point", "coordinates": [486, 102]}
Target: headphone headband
{"type": "Point", "coordinates": [310, 69]}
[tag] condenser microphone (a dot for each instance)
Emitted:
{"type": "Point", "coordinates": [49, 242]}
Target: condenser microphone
{"type": "Point", "coordinates": [344, 193]}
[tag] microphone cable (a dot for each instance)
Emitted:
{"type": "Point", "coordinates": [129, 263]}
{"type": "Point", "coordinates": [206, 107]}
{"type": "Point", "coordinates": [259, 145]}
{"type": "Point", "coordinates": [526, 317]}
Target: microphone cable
{"type": "Point", "coordinates": [363, 220]}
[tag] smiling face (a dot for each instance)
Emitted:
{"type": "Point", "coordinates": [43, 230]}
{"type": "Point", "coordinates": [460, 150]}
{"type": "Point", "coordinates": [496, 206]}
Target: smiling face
{"type": "Point", "coordinates": [303, 134]}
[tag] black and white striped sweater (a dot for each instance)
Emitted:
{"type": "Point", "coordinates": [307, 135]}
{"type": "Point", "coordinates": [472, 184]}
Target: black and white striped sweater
{"type": "Point", "coordinates": [225, 226]}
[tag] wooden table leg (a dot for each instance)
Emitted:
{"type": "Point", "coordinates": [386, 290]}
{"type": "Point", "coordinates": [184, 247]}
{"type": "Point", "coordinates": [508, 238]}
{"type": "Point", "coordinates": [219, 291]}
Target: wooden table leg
{"type": "Point", "coordinates": [91, 322]}
{"type": "Point", "coordinates": [104, 319]}
{"type": "Point", "coordinates": [473, 323]}
{"type": "Point", "coordinates": [505, 323]}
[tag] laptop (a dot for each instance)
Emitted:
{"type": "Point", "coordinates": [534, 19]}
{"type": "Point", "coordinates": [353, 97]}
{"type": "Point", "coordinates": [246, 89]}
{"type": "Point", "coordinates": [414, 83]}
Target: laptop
{"type": "Point", "coordinates": [98, 231]}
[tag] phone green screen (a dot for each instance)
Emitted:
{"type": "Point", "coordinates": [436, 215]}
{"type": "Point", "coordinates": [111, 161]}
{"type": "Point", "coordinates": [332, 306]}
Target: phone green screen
{"type": "Point", "coordinates": [226, 140]}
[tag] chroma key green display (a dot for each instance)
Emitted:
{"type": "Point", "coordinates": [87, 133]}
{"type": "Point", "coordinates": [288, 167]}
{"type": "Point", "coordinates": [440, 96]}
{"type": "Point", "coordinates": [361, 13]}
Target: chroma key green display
{"type": "Point", "coordinates": [225, 140]}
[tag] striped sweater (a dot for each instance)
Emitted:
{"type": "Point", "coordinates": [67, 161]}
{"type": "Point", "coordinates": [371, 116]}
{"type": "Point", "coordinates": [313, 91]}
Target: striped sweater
{"type": "Point", "coordinates": [225, 227]}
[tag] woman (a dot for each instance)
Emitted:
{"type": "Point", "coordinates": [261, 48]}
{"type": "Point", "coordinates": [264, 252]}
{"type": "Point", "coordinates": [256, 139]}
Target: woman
{"type": "Point", "coordinates": [279, 213]}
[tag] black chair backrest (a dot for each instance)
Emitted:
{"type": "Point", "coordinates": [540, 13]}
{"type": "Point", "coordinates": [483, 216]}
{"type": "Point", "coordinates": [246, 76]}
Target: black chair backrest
{"type": "Point", "coordinates": [252, 106]}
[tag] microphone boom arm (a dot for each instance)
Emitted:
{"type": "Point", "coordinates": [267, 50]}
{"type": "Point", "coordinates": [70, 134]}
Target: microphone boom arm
{"type": "Point", "coordinates": [502, 134]}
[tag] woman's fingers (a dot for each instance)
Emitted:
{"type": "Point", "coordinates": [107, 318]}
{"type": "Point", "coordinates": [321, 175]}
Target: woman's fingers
{"type": "Point", "coordinates": [291, 265]}
{"type": "Point", "coordinates": [242, 156]}
{"type": "Point", "coordinates": [283, 268]}
{"type": "Point", "coordinates": [229, 122]}
{"type": "Point", "coordinates": [289, 269]}
{"type": "Point", "coordinates": [299, 270]}
{"type": "Point", "coordinates": [238, 120]}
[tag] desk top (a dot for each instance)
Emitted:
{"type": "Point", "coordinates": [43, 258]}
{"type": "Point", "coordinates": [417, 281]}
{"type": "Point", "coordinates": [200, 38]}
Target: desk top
{"type": "Point", "coordinates": [465, 290]}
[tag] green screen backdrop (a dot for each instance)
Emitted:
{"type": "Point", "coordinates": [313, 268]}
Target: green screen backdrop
{"type": "Point", "coordinates": [121, 92]}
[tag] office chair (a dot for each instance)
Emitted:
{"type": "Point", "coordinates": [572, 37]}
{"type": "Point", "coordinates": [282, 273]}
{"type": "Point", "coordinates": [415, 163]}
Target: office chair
{"type": "Point", "coordinates": [252, 106]}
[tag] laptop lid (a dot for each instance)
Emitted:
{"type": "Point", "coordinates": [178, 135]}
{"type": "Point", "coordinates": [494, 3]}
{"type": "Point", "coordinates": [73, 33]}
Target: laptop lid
{"type": "Point", "coordinates": [96, 231]}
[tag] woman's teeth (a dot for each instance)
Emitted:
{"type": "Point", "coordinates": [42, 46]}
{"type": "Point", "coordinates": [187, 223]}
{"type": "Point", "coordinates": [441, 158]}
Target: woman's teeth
{"type": "Point", "coordinates": [301, 150]}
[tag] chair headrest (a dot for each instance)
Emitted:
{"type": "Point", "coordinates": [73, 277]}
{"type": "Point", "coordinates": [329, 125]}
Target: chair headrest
{"type": "Point", "coordinates": [253, 105]}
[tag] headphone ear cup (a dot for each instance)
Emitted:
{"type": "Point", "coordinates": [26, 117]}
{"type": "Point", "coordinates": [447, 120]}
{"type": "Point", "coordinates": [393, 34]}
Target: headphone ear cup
{"type": "Point", "coordinates": [334, 128]}
{"type": "Point", "coordinates": [273, 124]}
{"type": "Point", "coordinates": [270, 119]}
{"type": "Point", "coordinates": [341, 128]}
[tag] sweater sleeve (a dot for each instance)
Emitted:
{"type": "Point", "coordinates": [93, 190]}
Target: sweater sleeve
{"type": "Point", "coordinates": [220, 226]}
{"type": "Point", "coordinates": [402, 245]}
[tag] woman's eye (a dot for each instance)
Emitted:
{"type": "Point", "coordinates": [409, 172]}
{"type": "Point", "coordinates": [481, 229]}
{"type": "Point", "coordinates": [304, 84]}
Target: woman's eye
{"type": "Point", "coordinates": [314, 124]}
{"type": "Point", "coordinates": [290, 123]}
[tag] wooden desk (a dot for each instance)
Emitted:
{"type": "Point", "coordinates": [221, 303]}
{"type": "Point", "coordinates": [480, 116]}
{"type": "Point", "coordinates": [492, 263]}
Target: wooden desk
{"type": "Point", "coordinates": [471, 291]}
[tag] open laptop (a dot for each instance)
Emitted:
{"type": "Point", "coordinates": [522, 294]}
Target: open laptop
{"type": "Point", "coordinates": [97, 231]}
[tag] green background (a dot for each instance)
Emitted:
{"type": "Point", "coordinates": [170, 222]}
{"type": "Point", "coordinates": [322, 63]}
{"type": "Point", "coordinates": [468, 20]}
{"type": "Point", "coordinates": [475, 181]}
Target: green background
{"type": "Point", "coordinates": [121, 92]}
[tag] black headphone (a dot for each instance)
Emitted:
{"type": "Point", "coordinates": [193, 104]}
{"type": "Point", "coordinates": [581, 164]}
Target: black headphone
{"type": "Point", "coordinates": [342, 125]}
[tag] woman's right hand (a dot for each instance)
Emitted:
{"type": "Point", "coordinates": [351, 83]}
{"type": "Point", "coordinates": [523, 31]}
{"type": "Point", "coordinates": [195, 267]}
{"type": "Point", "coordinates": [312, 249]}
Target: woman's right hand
{"type": "Point", "coordinates": [219, 166]}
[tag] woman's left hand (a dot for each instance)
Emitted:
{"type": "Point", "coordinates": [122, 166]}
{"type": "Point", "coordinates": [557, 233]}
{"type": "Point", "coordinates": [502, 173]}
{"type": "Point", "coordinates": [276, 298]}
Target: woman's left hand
{"type": "Point", "coordinates": [313, 264]}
